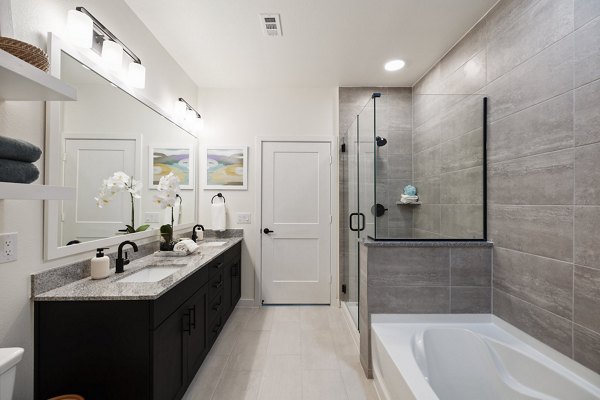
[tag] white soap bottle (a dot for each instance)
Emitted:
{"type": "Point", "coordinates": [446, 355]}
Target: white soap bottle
{"type": "Point", "coordinates": [100, 264]}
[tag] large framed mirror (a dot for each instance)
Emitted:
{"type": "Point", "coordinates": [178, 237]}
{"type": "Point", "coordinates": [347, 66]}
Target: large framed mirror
{"type": "Point", "coordinates": [111, 132]}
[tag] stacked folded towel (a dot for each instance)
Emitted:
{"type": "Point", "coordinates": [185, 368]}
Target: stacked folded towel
{"type": "Point", "coordinates": [408, 199]}
{"type": "Point", "coordinates": [16, 160]}
{"type": "Point", "coordinates": [186, 246]}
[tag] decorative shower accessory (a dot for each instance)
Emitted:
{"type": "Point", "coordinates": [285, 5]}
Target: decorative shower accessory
{"type": "Point", "coordinates": [168, 192]}
{"type": "Point", "coordinates": [117, 183]}
{"type": "Point", "coordinates": [378, 210]}
{"type": "Point", "coordinates": [409, 195]}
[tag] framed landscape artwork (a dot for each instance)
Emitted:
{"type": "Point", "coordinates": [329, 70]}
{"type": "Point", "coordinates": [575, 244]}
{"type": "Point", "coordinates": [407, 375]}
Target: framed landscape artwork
{"type": "Point", "coordinates": [226, 167]}
{"type": "Point", "coordinates": [165, 159]}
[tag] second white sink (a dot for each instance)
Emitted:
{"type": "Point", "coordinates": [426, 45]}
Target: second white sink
{"type": "Point", "coordinates": [212, 244]}
{"type": "Point", "coordinates": [151, 274]}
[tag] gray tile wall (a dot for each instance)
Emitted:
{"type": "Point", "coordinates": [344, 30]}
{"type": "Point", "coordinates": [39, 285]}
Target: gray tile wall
{"type": "Point", "coordinates": [541, 63]}
{"type": "Point", "coordinates": [417, 280]}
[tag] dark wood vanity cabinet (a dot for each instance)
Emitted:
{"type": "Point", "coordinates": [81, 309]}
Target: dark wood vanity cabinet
{"type": "Point", "coordinates": [135, 349]}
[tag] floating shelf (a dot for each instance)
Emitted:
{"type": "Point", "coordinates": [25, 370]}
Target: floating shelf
{"type": "Point", "coordinates": [21, 191]}
{"type": "Point", "coordinates": [408, 204]}
{"type": "Point", "coordinates": [21, 81]}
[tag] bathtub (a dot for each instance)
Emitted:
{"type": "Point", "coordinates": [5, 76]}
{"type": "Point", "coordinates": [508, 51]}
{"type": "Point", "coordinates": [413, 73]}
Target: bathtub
{"type": "Point", "coordinates": [470, 357]}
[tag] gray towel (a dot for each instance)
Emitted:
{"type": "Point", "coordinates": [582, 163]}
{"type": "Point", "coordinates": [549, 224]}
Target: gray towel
{"type": "Point", "coordinates": [18, 171]}
{"type": "Point", "coordinates": [19, 150]}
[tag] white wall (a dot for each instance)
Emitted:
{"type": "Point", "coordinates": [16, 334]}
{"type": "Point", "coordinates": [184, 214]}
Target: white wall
{"type": "Point", "coordinates": [166, 81]}
{"type": "Point", "coordinates": [237, 117]}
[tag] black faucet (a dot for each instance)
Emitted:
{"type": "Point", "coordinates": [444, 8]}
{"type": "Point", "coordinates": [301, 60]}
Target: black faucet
{"type": "Point", "coordinates": [121, 262]}
{"type": "Point", "coordinates": [194, 229]}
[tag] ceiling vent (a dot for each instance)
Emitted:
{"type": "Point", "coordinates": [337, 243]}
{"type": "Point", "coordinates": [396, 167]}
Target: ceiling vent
{"type": "Point", "coordinates": [271, 25]}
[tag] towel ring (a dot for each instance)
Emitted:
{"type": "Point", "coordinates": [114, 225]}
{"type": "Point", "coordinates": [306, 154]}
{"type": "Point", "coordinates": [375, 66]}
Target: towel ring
{"type": "Point", "coordinates": [217, 195]}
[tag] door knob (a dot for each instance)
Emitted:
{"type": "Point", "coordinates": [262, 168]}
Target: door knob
{"type": "Point", "coordinates": [267, 231]}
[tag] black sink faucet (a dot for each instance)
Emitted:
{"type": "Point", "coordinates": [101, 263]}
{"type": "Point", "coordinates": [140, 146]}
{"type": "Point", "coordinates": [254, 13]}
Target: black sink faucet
{"type": "Point", "coordinates": [194, 229]}
{"type": "Point", "coordinates": [121, 262]}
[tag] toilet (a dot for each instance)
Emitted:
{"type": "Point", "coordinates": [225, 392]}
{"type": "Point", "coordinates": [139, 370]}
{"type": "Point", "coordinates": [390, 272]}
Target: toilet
{"type": "Point", "coordinates": [9, 358]}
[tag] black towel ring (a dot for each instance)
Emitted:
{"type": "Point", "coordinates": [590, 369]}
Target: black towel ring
{"type": "Point", "coordinates": [217, 195]}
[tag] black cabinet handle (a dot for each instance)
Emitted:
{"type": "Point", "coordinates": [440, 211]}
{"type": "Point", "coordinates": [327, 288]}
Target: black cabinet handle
{"type": "Point", "coordinates": [192, 311]}
{"type": "Point", "coordinates": [217, 328]}
{"type": "Point", "coordinates": [217, 266]}
{"type": "Point", "coordinates": [218, 284]}
{"type": "Point", "coordinates": [267, 231]}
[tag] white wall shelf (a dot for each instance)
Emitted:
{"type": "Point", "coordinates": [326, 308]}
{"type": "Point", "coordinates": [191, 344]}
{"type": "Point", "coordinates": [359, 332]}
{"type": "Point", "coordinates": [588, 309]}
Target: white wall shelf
{"type": "Point", "coordinates": [21, 81]}
{"type": "Point", "coordinates": [408, 204]}
{"type": "Point", "coordinates": [21, 191]}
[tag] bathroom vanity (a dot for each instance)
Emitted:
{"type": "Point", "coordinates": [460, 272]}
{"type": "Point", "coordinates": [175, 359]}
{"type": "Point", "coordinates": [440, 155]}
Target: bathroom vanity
{"type": "Point", "coordinates": [128, 337]}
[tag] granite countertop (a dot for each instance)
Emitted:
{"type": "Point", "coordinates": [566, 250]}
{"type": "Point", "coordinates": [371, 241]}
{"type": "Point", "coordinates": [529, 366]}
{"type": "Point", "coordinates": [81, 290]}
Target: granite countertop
{"type": "Point", "coordinates": [426, 243]}
{"type": "Point", "coordinates": [111, 289]}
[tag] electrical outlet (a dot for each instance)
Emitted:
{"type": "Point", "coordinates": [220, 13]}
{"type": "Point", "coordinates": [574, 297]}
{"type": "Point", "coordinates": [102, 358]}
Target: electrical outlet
{"type": "Point", "coordinates": [151, 218]}
{"type": "Point", "coordinates": [244, 218]}
{"type": "Point", "coordinates": [8, 247]}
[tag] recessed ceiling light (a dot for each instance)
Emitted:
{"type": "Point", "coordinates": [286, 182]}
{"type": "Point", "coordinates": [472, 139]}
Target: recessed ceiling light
{"type": "Point", "coordinates": [394, 65]}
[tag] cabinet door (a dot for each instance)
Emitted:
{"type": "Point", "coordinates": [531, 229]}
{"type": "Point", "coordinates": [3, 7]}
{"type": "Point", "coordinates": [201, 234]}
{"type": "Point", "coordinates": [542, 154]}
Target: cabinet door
{"type": "Point", "coordinates": [169, 347]}
{"type": "Point", "coordinates": [196, 337]}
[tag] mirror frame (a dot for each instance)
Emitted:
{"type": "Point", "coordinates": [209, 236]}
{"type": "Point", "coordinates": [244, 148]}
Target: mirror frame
{"type": "Point", "coordinates": [53, 157]}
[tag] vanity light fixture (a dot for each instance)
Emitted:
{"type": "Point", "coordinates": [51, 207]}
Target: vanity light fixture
{"type": "Point", "coordinates": [86, 31]}
{"type": "Point", "coordinates": [394, 65]}
{"type": "Point", "coordinates": [190, 117]}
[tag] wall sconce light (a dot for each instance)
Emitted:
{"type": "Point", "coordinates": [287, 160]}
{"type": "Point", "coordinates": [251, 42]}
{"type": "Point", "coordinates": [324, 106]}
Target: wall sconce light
{"type": "Point", "coordinates": [189, 116]}
{"type": "Point", "coordinates": [80, 29]}
{"type": "Point", "coordinates": [83, 35]}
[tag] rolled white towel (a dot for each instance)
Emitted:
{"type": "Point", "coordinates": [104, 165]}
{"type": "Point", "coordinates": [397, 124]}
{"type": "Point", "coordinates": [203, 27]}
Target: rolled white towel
{"type": "Point", "coordinates": [409, 197]}
{"type": "Point", "coordinates": [186, 245]}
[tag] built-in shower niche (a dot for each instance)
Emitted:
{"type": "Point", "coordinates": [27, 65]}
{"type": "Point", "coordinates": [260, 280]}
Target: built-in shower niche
{"type": "Point", "coordinates": [442, 155]}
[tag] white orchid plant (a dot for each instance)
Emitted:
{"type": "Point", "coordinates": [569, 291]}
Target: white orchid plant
{"type": "Point", "coordinates": [168, 193]}
{"type": "Point", "coordinates": [117, 183]}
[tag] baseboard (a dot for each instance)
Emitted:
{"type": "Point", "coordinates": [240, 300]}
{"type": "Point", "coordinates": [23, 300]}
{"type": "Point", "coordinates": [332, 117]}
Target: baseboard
{"type": "Point", "coordinates": [246, 303]}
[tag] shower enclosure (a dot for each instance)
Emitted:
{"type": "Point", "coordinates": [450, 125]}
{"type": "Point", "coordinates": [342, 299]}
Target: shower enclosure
{"type": "Point", "coordinates": [398, 139]}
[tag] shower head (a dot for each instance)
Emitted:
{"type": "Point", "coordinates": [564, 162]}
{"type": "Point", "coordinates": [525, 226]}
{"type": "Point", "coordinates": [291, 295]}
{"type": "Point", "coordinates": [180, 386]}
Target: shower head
{"type": "Point", "coordinates": [380, 141]}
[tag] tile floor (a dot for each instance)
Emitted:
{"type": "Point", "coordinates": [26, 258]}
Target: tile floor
{"type": "Point", "coordinates": [283, 353]}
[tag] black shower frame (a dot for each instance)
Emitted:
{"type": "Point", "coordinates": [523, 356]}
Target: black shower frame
{"type": "Point", "coordinates": [485, 195]}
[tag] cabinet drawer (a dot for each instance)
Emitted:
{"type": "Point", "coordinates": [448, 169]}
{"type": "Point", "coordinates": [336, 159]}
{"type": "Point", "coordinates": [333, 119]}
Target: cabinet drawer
{"type": "Point", "coordinates": [216, 266]}
{"type": "Point", "coordinates": [215, 307]}
{"type": "Point", "coordinates": [215, 285]}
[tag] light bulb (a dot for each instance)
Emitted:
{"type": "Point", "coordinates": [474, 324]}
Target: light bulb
{"type": "Point", "coordinates": [394, 65]}
{"type": "Point", "coordinates": [190, 115]}
{"type": "Point", "coordinates": [112, 54]}
{"type": "Point", "coordinates": [137, 75]}
{"type": "Point", "coordinates": [80, 29]}
{"type": "Point", "coordinates": [179, 110]}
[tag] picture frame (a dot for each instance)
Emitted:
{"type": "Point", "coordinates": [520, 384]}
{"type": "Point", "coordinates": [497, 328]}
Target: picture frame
{"type": "Point", "coordinates": [225, 168]}
{"type": "Point", "coordinates": [163, 159]}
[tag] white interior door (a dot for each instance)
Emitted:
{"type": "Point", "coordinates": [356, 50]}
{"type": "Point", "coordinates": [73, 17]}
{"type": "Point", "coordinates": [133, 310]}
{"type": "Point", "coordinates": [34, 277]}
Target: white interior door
{"type": "Point", "coordinates": [87, 164]}
{"type": "Point", "coordinates": [296, 207]}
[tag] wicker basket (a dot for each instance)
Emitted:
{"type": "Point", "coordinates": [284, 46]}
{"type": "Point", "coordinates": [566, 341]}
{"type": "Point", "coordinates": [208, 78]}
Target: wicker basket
{"type": "Point", "coordinates": [26, 52]}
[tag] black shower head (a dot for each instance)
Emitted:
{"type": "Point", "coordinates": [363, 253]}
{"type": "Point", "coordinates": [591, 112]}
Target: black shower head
{"type": "Point", "coordinates": [380, 141]}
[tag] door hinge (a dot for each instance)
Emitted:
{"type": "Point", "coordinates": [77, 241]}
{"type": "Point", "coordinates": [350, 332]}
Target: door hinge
{"type": "Point", "coordinates": [331, 219]}
{"type": "Point", "coordinates": [64, 157]}
{"type": "Point", "coordinates": [330, 159]}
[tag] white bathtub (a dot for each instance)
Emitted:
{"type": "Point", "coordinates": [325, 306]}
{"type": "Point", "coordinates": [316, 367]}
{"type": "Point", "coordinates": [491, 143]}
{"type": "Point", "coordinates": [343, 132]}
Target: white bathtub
{"type": "Point", "coordinates": [470, 357]}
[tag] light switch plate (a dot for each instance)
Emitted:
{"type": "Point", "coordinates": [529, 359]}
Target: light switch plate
{"type": "Point", "coordinates": [8, 247]}
{"type": "Point", "coordinates": [244, 218]}
{"type": "Point", "coordinates": [151, 218]}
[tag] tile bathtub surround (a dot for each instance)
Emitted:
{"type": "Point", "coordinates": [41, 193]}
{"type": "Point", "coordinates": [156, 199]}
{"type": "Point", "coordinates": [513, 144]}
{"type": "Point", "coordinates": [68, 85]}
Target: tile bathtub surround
{"type": "Point", "coordinates": [422, 278]}
{"type": "Point", "coordinates": [543, 84]}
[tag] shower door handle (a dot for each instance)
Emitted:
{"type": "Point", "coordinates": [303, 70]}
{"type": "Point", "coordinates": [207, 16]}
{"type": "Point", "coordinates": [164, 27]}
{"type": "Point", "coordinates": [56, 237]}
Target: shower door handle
{"type": "Point", "coordinates": [350, 222]}
{"type": "Point", "coordinates": [361, 217]}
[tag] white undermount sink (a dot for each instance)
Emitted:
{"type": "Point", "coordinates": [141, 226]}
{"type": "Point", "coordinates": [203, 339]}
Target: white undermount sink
{"type": "Point", "coordinates": [151, 274]}
{"type": "Point", "coordinates": [212, 244]}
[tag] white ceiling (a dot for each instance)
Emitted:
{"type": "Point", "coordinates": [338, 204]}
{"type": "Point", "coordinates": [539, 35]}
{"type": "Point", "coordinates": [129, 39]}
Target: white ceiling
{"type": "Point", "coordinates": [219, 43]}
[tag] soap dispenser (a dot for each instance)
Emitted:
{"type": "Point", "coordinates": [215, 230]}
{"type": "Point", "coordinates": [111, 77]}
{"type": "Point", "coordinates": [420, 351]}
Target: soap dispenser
{"type": "Point", "coordinates": [100, 264]}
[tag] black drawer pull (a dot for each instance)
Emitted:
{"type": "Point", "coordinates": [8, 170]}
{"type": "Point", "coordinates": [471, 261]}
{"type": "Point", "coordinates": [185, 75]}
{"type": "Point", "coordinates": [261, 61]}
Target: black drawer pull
{"type": "Point", "coordinates": [216, 329]}
{"type": "Point", "coordinates": [218, 284]}
{"type": "Point", "coordinates": [217, 266]}
{"type": "Point", "coordinates": [187, 329]}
